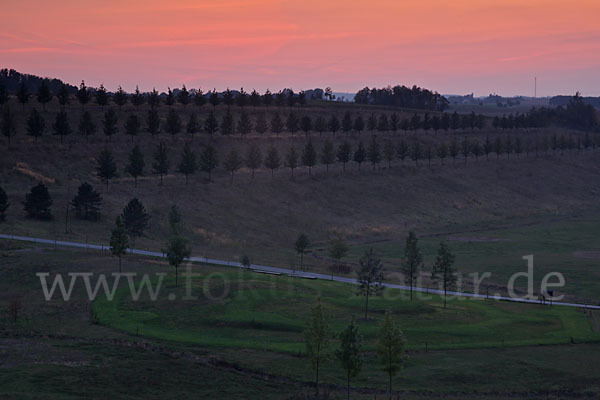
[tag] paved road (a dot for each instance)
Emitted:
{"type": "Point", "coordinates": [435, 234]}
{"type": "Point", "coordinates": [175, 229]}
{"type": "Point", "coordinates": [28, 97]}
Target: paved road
{"type": "Point", "coordinates": [285, 271]}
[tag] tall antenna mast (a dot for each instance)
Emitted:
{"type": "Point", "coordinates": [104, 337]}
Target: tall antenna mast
{"type": "Point", "coordinates": [535, 87]}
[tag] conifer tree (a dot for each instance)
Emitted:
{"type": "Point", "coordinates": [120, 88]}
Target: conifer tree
{"type": "Point", "coordinates": [106, 168]}
{"type": "Point", "coordinates": [173, 123]}
{"type": "Point", "coordinates": [209, 160]}
{"type": "Point", "coordinates": [177, 249]}
{"type": "Point", "coordinates": [465, 148]}
{"type": "Point", "coordinates": [255, 99]}
{"type": "Point", "coordinates": [211, 126]}
{"type": "Point", "coordinates": [394, 122]}
{"type": "Point", "coordinates": [153, 99]}
{"type": "Point", "coordinates": [276, 124]}
{"type": "Point", "coordinates": [291, 123]}
{"type": "Point", "coordinates": [261, 125]}
{"type": "Point", "coordinates": [44, 94]}
{"type": "Point", "coordinates": [253, 158]}
{"type": "Point", "coordinates": [309, 156]}
{"type": "Point", "coordinates": [228, 98]}
{"type": "Point", "coordinates": [228, 124]}
{"type": "Point", "coordinates": [347, 122]}
{"type": "Point", "coordinates": [38, 202]}
{"type": "Point", "coordinates": [417, 152]}
{"type": "Point", "coordinates": [327, 154]}
{"type": "Point", "coordinates": [135, 218]}
{"type": "Point", "coordinates": [199, 98]}
{"type": "Point", "coordinates": [333, 124]}
{"type": "Point", "coordinates": [3, 95]}
{"type": "Point", "coordinates": [192, 126]}
{"type": "Point", "coordinates": [453, 149]}
{"type": "Point", "coordinates": [214, 99]}
{"type": "Point", "coordinates": [119, 241]}
{"type": "Point", "coordinates": [360, 155]}
{"type": "Point", "coordinates": [23, 94]}
{"type": "Point", "coordinates": [344, 154]}
{"type": "Point", "coordinates": [160, 165]}
{"type": "Point", "coordinates": [63, 96]}
{"type": "Point", "coordinates": [442, 151]}
{"type": "Point", "coordinates": [153, 121]}
{"type": "Point", "coordinates": [306, 124]}
{"type": "Point", "coordinates": [86, 127]}
{"type": "Point", "coordinates": [101, 96]}
{"type": "Point", "coordinates": [372, 122]}
{"type": "Point", "coordinates": [272, 160]}
{"type": "Point", "coordinates": [83, 94]}
{"type": "Point", "coordinates": [402, 150]}
{"type": "Point", "coordinates": [291, 159]}
{"type": "Point", "coordinates": [383, 123]}
{"type": "Point", "coordinates": [110, 123]}
{"type": "Point", "coordinates": [132, 126]}
{"type": "Point", "coordinates": [320, 124]}
{"type": "Point", "coordinates": [267, 98]}
{"type": "Point", "coordinates": [241, 98]}
{"type": "Point", "coordinates": [359, 124]}
{"type": "Point", "coordinates": [137, 98]}
{"type": "Point", "coordinates": [170, 99]}
{"type": "Point", "coordinates": [183, 96]}
{"type": "Point", "coordinates": [35, 124]}
{"type": "Point", "coordinates": [374, 154]}
{"type": "Point", "coordinates": [120, 97]}
{"type": "Point", "coordinates": [61, 125]}
{"type": "Point", "coordinates": [87, 203]}
{"type": "Point", "coordinates": [244, 124]}
{"type": "Point", "coordinates": [232, 162]}
{"type": "Point", "coordinates": [187, 165]}
{"type": "Point", "coordinates": [136, 164]}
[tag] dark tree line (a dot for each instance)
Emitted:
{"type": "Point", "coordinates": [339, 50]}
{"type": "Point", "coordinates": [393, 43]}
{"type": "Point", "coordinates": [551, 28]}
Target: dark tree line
{"type": "Point", "coordinates": [402, 96]}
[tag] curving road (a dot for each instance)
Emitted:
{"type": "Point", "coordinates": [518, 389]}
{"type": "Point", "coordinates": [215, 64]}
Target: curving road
{"type": "Point", "coordinates": [275, 270]}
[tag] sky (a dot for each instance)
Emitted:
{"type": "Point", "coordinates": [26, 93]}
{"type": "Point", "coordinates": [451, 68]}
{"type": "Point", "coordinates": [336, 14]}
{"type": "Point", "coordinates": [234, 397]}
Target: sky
{"type": "Point", "coordinates": [450, 46]}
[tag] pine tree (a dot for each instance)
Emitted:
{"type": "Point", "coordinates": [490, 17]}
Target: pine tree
{"type": "Point", "coordinates": [417, 152]}
{"type": "Point", "coordinates": [209, 160]}
{"type": "Point", "coordinates": [412, 261]}
{"type": "Point", "coordinates": [228, 98]}
{"type": "Point", "coordinates": [214, 99]}
{"type": "Point", "coordinates": [120, 97]}
{"type": "Point", "coordinates": [402, 150]}
{"type": "Point", "coordinates": [291, 123]}
{"type": "Point", "coordinates": [255, 98]}
{"type": "Point", "coordinates": [199, 98]}
{"type": "Point", "coordinates": [153, 99]}
{"type": "Point", "coordinates": [443, 269]}
{"type": "Point", "coordinates": [187, 165]}
{"type": "Point", "coordinates": [135, 218]}
{"type": "Point", "coordinates": [317, 336]}
{"type": "Point", "coordinates": [137, 98]}
{"type": "Point", "coordinates": [232, 162]}
{"type": "Point", "coordinates": [347, 122]}
{"type": "Point", "coordinates": [36, 124]}
{"type": "Point", "coordinates": [334, 124]}
{"type": "Point", "coordinates": [173, 123]}
{"type": "Point", "coordinates": [38, 202]}
{"type": "Point", "coordinates": [453, 148]}
{"type": "Point", "coordinates": [183, 96]}
{"type": "Point", "coordinates": [309, 156]}
{"type": "Point", "coordinates": [83, 94]}
{"type": "Point", "coordinates": [301, 246]}
{"type": "Point", "coordinates": [228, 124]}
{"type": "Point", "coordinates": [267, 98]}
{"type": "Point", "coordinates": [276, 124]}
{"type": "Point", "coordinates": [383, 123]}
{"type": "Point", "coordinates": [63, 96]}
{"type": "Point", "coordinates": [465, 147]}
{"type": "Point", "coordinates": [369, 276]}
{"type": "Point", "coordinates": [359, 124]}
{"type": "Point", "coordinates": [372, 122]}
{"type": "Point", "coordinates": [487, 147]}
{"type": "Point", "coordinates": [306, 124]}
{"type": "Point", "coordinates": [23, 94]}
{"type": "Point", "coordinates": [253, 158]}
{"type": "Point", "coordinates": [261, 125]}
{"type": "Point", "coordinates": [61, 125]}
{"type": "Point", "coordinates": [153, 121]}
{"type": "Point", "coordinates": [192, 126]}
{"type": "Point", "coordinates": [241, 98]}
{"type": "Point", "coordinates": [244, 124]}
{"type": "Point", "coordinates": [374, 154]}
{"type": "Point", "coordinates": [177, 249]}
{"type": "Point", "coordinates": [360, 155]}
{"type": "Point", "coordinates": [320, 125]}
{"type": "Point", "coordinates": [390, 348]}
{"type": "Point", "coordinates": [106, 167]}
{"type": "Point", "coordinates": [87, 203]}
{"type": "Point", "coordinates": [394, 122]}
{"type": "Point", "coordinates": [136, 164]}
{"type": "Point", "coordinates": [119, 241]}
{"type": "Point", "coordinates": [160, 165]}
{"type": "Point", "coordinates": [389, 152]}
{"type": "Point", "coordinates": [211, 126]}
{"type": "Point", "coordinates": [327, 154]}
{"type": "Point", "coordinates": [442, 151]}
{"type": "Point", "coordinates": [44, 95]}
{"type": "Point", "coordinates": [349, 352]}
{"type": "Point", "coordinates": [101, 96]}
{"type": "Point", "coordinates": [110, 123]}
{"type": "Point", "coordinates": [3, 205]}
{"type": "Point", "coordinates": [272, 160]}
{"type": "Point", "coordinates": [86, 127]}
{"type": "Point", "coordinates": [291, 159]}
{"type": "Point", "coordinates": [132, 126]}
{"type": "Point", "coordinates": [344, 153]}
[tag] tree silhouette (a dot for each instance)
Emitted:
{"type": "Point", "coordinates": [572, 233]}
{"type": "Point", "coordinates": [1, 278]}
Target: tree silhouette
{"type": "Point", "coordinates": [276, 124]}
{"type": "Point", "coordinates": [214, 98]}
{"type": "Point", "coordinates": [3, 205]}
{"type": "Point", "coordinates": [372, 122]}
{"type": "Point", "coordinates": [83, 94]}
{"type": "Point", "coordinates": [61, 125]}
{"type": "Point", "coordinates": [349, 352]}
{"type": "Point", "coordinates": [383, 123]}
{"type": "Point", "coordinates": [35, 124]}
{"type": "Point", "coordinates": [209, 160]}
{"type": "Point", "coordinates": [374, 154]}
{"type": "Point", "coordinates": [412, 261]}
{"type": "Point", "coordinates": [390, 348]}
{"type": "Point", "coordinates": [106, 168]}
{"type": "Point", "coordinates": [255, 99]}
{"type": "Point", "coordinates": [211, 126]}
{"type": "Point", "coordinates": [136, 164]}
{"type": "Point", "coordinates": [153, 121]}
{"type": "Point", "coordinates": [442, 151]}
{"type": "Point", "coordinates": [443, 270]}
{"type": "Point", "coordinates": [228, 98]}
{"type": "Point", "coordinates": [242, 98]}
{"type": "Point", "coordinates": [320, 124]}
{"type": "Point", "coordinates": [327, 154]}
{"type": "Point", "coordinates": [228, 124]}
{"type": "Point", "coordinates": [347, 122]}
{"type": "Point", "coordinates": [44, 95]}
{"type": "Point", "coordinates": [369, 276]}
{"type": "Point", "coordinates": [153, 99]}
{"type": "Point", "coordinates": [253, 158]}
{"type": "Point", "coordinates": [360, 155]}
{"type": "Point", "coordinates": [86, 127]}
{"type": "Point", "coordinates": [301, 246]}
{"type": "Point", "coordinates": [173, 123]}
{"type": "Point", "coordinates": [119, 241]}
{"type": "Point", "coordinates": [110, 123]}
{"type": "Point", "coordinates": [402, 150]}
{"type": "Point", "coordinates": [38, 202]}
{"type": "Point", "coordinates": [137, 98]}
{"type": "Point", "coordinates": [183, 96]}
{"type": "Point", "coordinates": [87, 203]}
{"type": "Point", "coordinates": [334, 124]}
{"type": "Point", "coordinates": [261, 125]}
{"type": "Point", "coordinates": [170, 100]}
{"type": "Point", "coordinates": [272, 160]}
{"type": "Point", "coordinates": [63, 95]}
{"type": "Point", "coordinates": [232, 162]}
{"type": "Point", "coordinates": [177, 249]}
{"type": "Point", "coordinates": [23, 94]}
{"type": "Point", "coordinates": [160, 165]}
{"type": "Point", "coordinates": [199, 99]}
{"type": "Point", "coordinates": [389, 152]}
{"type": "Point", "coordinates": [394, 122]}
{"type": "Point", "coordinates": [135, 218]}
{"type": "Point", "coordinates": [292, 122]}
{"type": "Point", "coordinates": [291, 159]}
{"type": "Point", "coordinates": [132, 126]}
{"type": "Point", "coordinates": [101, 96]}
{"type": "Point", "coordinates": [359, 124]}
{"type": "Point", "coordinates": [244, 124]}
{"type": "Point", "coordinates": [3, 95]}
{"type": "Point", "coordinates": [120, 97]}
{"type": "Point", "coordinates": [306, 124]}
{"type": "Point", "coordinates": [187, 165]}
{"type": "Point", "coordinates": [309, 156]}
{"type": "Point", "coordinates": [192, 126]}
{"type": "Point", "coordinates": [344, 154]}
{"type": "Point", "coordinates": [267, 98]}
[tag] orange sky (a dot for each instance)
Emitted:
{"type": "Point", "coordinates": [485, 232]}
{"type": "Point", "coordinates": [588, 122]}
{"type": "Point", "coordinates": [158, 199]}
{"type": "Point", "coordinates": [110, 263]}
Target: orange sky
{"type": "Point", "coordinates": [452, 46]}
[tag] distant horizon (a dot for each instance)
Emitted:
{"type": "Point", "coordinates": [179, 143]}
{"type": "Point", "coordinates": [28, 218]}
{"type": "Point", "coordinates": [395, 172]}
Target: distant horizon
{"type": "Point", "coordinates": [465, 46]}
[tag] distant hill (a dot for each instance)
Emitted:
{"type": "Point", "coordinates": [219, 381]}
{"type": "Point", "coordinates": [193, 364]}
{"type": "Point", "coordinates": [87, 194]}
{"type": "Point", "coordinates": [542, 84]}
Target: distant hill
{"type": "Point", "coordinates": [564, 100]}
{"type": "Point", "coordinates": [11, 80]}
